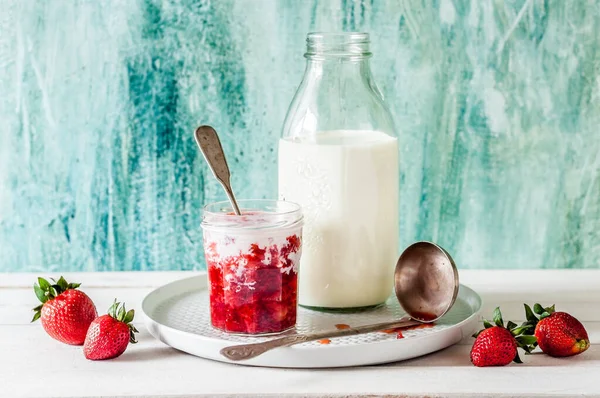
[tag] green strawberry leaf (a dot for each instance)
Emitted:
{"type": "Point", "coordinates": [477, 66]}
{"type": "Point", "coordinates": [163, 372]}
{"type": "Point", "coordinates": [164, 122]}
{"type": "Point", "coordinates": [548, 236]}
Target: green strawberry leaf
{"type": "Point", "coordinates": [112, 311]}
{"type": "Point", "coordinates": [529, 314]}
{"type": "Point", "coordinates": [62, 283]}
{"type": "Point", "coordinates": [487, 324]}
{"type": "Point", "coordinates": [121, 313]}
{"type": "Point", "coordinates": [511, 325]}
{"type": "Point", "coordinates": [498, 317]}
{"type": "Point", "coordinates": [544, 314]}
{"type": "Point", "coordinates": [55, 290]}
{"type": "Point", "coordinates": [551, 309]}
{"type": "Point", "coordinates": [36, 316]}
{"type": "Point", "coordinates": [538, 309]}
{"type": "Point", "coordinates": [132, 331]}
{"type": "Point", "coordinates": [41, 295]}
{"type": "Point", "coordinates": [521, 329]}
{"type": "Point", "coordinates": [526, 339]}
{"type": "Point", "coordinates": [527, 349]}
{"type": "Point", "coordinates": [527, 343]}
{"type": "Point", "coordinates": [38, 312]}
{"type": "Point", "coordinates": [129, 316]}
{"type": "Point", "coordinates": [74, 285]}
{"type": "Point", "coordinates": [44, 284]}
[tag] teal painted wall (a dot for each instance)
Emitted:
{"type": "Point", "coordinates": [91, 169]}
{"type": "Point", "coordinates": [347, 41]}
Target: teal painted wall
{"type": "Point", "coordinates": [497, 103]}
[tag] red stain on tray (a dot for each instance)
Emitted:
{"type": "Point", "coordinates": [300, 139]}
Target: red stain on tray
{"type": "Point", "coordinates": [396, 331]}
{"type": "Point", "coordinates": [399, 330]}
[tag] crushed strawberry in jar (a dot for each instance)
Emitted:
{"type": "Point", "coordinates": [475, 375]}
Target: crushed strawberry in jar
{"type": "Point", "coordinates": [253, 284]}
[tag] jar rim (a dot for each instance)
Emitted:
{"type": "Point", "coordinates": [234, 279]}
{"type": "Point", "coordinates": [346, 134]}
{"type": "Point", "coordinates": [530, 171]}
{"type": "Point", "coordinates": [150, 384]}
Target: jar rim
{"type": "Point", "coordinates": [257, 214]}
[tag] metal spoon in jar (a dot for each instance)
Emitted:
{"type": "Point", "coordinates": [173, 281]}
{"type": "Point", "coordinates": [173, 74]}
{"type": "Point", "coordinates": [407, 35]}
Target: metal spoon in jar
{"type": "Point", "coordinates": [426, 286]}
{"type": "Point", "coordinates": [210, 146]}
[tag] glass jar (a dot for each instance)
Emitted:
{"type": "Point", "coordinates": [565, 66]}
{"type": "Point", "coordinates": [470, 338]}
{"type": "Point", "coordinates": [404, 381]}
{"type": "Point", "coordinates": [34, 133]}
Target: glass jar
{"type": "Point", "coordinates": [252, 263]}
{"type": "Point", "coordinates": [338, 158]}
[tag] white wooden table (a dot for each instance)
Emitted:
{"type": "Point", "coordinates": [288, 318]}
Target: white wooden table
{"type": "Point", "coordinates": [34, 365]}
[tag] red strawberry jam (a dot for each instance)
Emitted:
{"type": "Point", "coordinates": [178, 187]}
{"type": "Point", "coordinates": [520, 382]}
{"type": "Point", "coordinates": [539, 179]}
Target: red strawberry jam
{"type": "Point", "coordinates": [253, 276]}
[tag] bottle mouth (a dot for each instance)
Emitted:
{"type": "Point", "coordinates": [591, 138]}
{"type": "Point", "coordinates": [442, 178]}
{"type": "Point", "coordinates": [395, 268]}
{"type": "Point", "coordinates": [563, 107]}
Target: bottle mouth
{"type": "Point", "coordinates": [339, 45]}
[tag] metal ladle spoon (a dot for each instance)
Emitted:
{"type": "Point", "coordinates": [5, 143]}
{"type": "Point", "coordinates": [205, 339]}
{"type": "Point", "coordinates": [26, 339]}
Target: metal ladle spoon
{"type": "Point", "coordinates": [210, 146]}
{"type": "Point", "coordinates": [426, 286]}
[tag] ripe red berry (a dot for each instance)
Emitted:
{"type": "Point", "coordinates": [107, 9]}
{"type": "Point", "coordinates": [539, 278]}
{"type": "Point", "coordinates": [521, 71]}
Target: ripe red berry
{"type": "Point", "coordinates": [109, 335]}
{"type": "Point", "coordinates": [558, 334]}
{"type": "Point", "coordinates": [66, 313]}
{"type": "Point", "coordinates": [496, 345]}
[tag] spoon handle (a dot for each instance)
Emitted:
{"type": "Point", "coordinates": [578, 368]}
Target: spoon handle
{"type": "Point", "coordinates": [248, 351]}
{"type": "Point", "coordinates": [210, 146]}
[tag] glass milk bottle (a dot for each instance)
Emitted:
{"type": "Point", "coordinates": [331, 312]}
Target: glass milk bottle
{"type": "Point", "coordinates": [338, 158]}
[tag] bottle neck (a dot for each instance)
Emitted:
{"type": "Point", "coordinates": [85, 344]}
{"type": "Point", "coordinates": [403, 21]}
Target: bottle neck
{"type": "Point", "coordinates": [341, 75]}
{"type": "Point", "coordinates": [339, 61]}
{"type": "Point", "coordinates": [338, 91]}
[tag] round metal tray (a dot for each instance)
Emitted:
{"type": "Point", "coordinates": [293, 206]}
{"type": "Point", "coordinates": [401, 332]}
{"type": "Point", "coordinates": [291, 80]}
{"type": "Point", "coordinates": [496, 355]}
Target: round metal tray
{"type": "Point", "coordinates": [178, 315]}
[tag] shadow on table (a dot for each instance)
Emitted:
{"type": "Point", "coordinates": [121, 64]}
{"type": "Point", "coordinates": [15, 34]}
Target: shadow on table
{"type": "Point", "coordinates": [137, 354]}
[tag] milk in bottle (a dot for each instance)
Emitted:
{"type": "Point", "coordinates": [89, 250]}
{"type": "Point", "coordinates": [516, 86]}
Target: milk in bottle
{"type": "Point", "coordinates": [338, 158]}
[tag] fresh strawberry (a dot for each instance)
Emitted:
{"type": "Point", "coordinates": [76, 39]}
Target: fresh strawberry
{"type": "Point", "coordinates": [65, 312]}
{"type": "Point", "coordinates": [109, 335]}
{"type": "Point", "coordinates": [558, 334]}
{"type": "Point", "coordinates": [496, 345]}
